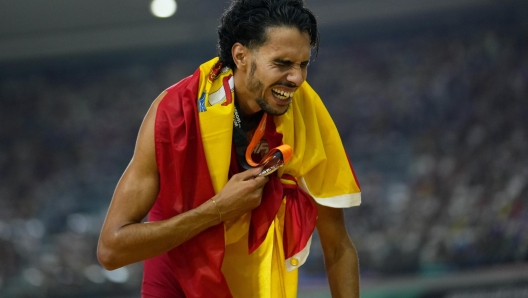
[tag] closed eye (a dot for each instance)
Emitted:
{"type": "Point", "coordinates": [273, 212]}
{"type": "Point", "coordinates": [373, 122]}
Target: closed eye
{"type": "Point", "coordinates": [287, 64]}
{"type": "Point", "coordinates": [283, 63]}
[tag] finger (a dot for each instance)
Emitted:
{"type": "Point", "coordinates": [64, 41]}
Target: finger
{"type": "Point", "coordinates": [251, 173]}
{"type": "Point", "coordinates": [261, 180]}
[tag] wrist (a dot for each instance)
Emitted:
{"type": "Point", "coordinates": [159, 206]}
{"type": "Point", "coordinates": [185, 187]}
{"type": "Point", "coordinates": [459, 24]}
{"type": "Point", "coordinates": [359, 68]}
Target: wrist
{"type": "Point", "coordinates": [217, 209]}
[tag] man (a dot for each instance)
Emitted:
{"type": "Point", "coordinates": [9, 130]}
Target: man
{"type": "Point", "coordinates": [216, 227]}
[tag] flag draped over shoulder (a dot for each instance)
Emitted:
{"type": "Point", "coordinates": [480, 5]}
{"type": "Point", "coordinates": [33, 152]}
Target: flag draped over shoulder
{"type": "Point", "coordinates": [193, 137]}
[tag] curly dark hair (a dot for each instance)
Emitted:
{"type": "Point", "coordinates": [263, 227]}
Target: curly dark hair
{"type": "Point", "coordinates": [246, 21]}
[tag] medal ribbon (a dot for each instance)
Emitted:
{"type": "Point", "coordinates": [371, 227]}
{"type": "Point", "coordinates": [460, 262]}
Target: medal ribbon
{"type": "Point", "coordinates": [248, 162]}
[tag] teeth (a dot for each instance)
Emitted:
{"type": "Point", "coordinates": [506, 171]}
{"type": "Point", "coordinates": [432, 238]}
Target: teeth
{"type": "Point", "coordinates": [282, 94]}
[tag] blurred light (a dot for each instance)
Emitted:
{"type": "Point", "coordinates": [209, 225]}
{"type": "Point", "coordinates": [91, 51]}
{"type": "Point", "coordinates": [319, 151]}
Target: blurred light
{"type": "Point", "coordinates": [50, 263]}
{"type": "Point", "coordinates": [163, 8]}
{"type": "Point", "coordinates": [34, 276]}
{"type": "Point", "coordinates": [118, 276]}
{"type": "Point", "coordinates": [94, 273]}
{"type": "Point", "coordinates": [78, 223]}
{"type": "Point", "coordinates": [35, 228]}
{"type": "Point", "coordinates": [398, 195]}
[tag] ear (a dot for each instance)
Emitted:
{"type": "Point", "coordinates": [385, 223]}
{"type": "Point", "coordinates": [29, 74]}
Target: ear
{"type": "Point", "coordinates": [240, 56]}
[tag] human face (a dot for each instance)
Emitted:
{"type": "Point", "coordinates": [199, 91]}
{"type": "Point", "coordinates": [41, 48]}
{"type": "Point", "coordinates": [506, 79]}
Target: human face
{"type": "Point", "coordinates": [278, 68]}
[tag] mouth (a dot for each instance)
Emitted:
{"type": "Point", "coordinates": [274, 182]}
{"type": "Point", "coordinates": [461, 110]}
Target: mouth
{"type": "Point", "coordinates": [281, 95]}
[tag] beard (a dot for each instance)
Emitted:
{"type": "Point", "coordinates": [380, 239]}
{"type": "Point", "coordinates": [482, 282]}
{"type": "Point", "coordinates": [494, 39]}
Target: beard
{"type": "Point", "coordinates": [266, 107]}
{"type": "Point", "coordinates": [256, 87]}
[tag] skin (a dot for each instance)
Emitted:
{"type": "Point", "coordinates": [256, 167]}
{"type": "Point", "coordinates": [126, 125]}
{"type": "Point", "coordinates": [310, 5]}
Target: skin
{"type": "Point", "coordinates": [282, 63]}
{"type": "Point", "coordinates": [279, 64]}
{"type": "Point", "coordinates": [125, 239]}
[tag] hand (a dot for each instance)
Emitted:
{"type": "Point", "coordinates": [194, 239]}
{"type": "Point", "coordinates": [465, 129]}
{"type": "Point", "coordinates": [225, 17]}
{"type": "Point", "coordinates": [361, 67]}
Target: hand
{"type": "Point", "coordinates": [241, 194]}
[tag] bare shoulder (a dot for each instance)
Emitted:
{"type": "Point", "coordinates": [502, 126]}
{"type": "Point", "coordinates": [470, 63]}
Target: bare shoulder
{"type": "Point", "coordinates": [145, 148]}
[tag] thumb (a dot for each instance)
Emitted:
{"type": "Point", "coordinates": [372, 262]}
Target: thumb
{"type": "Point", "coordinates": [251, 173]}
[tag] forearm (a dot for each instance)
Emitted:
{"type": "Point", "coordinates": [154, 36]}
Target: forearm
{"type": "Point", "coordinates": [342, 269]}
{"type": "Point", "coordinates": [341, 261]}
{"type": "Point", "coordinates": [136, 242]}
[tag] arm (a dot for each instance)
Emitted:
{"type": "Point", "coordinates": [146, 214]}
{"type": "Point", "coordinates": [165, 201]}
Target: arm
{"type": "Point", "coordinates": [125, 239]}
{"type": "Point", "coordinates": [341, 261]}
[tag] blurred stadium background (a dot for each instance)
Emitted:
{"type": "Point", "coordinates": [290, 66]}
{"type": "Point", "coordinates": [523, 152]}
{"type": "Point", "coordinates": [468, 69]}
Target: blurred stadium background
{"type": "Point", "coordinates": [431, 99]}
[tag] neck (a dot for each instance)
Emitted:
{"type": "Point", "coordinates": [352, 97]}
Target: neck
{"type": "Point", "coordinates": [248, 122]}
{"type": "Point", "coordinates": [245, 109]}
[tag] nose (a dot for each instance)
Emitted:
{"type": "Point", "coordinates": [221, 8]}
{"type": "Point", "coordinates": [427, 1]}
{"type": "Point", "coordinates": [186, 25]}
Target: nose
{"type": "Point", "coordinates": [296, 75]}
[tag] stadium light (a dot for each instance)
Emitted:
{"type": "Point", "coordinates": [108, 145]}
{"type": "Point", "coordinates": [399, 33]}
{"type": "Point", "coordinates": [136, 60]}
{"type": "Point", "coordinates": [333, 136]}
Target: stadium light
{"type": "Point", "coordinates": [163, 8]}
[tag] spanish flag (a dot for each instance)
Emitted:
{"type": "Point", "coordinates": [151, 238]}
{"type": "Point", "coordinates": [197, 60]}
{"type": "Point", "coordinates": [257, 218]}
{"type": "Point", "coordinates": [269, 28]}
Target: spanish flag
{"type": "Point", "coordinates": [262, 249]}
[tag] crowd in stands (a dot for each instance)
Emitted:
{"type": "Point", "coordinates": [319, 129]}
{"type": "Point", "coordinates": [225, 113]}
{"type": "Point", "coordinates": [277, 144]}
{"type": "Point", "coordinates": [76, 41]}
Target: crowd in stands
{"type": "Point", "coordinates": [436, 127]}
